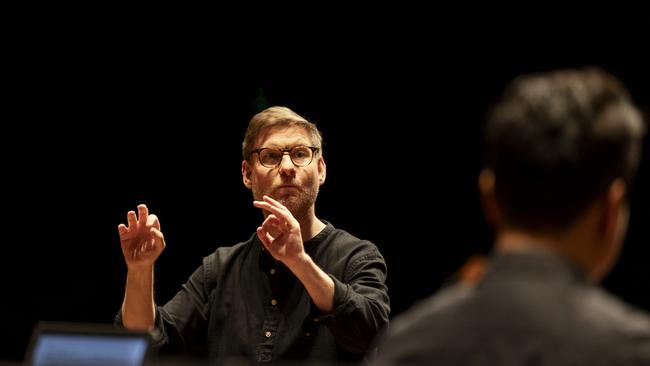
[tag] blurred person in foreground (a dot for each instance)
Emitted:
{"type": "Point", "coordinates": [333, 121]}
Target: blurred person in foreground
{"type": "Point", "coordinates": [562, 150]}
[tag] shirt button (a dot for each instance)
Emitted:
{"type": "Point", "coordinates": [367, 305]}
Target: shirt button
{"type": "Point", "coordinates": [274, 302]}
{"type": "Point", "coordinates": [267, 334]}
{"type": "Point", "coordinates": [272, 271]}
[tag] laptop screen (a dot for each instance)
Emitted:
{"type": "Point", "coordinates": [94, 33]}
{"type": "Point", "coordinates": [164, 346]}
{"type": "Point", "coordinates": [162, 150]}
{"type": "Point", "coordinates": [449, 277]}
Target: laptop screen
{"type": "Point", "coordinates": [90, 345]}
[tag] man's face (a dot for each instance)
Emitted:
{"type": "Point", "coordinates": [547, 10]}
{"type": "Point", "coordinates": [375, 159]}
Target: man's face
{"type": "Point", "coordinates": [293, 186]}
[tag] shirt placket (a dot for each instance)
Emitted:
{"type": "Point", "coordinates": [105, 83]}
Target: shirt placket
{"type": "Point", "coordinates": [271, 325]}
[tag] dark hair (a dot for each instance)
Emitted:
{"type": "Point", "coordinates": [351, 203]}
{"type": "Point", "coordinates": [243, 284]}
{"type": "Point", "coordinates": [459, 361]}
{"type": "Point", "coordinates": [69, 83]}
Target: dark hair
{"type": "Point", "coordinates": [557, 140]}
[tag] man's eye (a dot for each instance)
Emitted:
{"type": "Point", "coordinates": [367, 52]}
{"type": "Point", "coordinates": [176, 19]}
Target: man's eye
{"type": "Point", "coordinates": [300, 154]}
{"type": "Point", "coordinates": [273, 155]}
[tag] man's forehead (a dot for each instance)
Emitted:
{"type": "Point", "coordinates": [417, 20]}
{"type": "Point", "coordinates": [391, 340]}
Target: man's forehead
{"type": "Point", "coordinates": [282, 135]}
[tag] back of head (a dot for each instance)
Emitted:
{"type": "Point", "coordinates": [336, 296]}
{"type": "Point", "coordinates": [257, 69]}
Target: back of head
{"type": "Point", "coordinates": [556, 141]}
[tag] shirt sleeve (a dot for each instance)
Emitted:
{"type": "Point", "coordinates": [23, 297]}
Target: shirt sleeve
{"type": "Point", "coordinates": [361, 303]}
{"type": "Point", "coordinates": [157, 337]}
{"type": "Point", "coordinates": [180, 324]}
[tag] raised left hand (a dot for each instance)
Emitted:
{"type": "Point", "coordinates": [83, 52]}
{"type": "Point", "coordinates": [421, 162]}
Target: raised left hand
{"type": "Point", "coordinates": [280, 232]}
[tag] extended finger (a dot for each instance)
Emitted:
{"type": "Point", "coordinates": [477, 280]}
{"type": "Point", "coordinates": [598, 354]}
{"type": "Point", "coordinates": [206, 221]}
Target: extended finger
{"type": "Point", "coordinates": [121, 228]}
{"type": "Point", "coordinates": [131, 220]}
{"type": "Point", "coordinates": [143, 212]}
{"type": "Point", "coordinates": [275, 203]}
{"type": "Point", "coordinates": [272, 209]}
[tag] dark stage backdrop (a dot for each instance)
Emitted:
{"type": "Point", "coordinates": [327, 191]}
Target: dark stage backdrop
{"type": "Point", "coordinates": [95, 134]}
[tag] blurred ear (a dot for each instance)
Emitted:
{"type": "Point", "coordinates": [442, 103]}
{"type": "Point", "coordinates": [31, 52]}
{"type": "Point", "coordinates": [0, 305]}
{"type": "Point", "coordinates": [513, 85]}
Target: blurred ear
{"type": "Point", "coordinates": [322, 170]}
{"type": "Point", "coordinates": [614, 217]}
{"type": "Point", "coordinates": [611, 230]}
{"type": "Point", "coordinates": [486, 187]}
{"type": "Point", "coordinates": [246, 174]}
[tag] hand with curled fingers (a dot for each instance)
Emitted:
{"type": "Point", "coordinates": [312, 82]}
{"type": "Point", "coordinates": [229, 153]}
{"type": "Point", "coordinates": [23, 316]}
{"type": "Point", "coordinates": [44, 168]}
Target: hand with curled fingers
{"type": "Point", "coordinates": [142, 241]}
{"type": "Point", "coordinates": [280, 232]}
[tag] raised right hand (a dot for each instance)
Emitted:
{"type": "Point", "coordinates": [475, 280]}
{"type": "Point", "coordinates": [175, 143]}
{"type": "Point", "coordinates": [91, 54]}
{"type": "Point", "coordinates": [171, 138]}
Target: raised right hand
{"type": "Point", "coordinates": [142, 241]}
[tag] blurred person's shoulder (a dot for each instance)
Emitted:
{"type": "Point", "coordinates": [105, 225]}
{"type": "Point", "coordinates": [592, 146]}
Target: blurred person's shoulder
{"type": "Point", "coordinates": [608, 314]}
{"type": "Point", "coordinates": [432, 309]}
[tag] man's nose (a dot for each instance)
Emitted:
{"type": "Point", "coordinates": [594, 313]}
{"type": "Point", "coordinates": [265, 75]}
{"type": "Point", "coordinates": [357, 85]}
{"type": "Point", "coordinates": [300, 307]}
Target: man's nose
{"type": "Point", "coordinates": [286, 165]}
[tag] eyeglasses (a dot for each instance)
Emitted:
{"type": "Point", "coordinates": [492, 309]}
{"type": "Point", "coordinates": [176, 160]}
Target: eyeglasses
{"type": "Point", "coordinates": [299, 155]}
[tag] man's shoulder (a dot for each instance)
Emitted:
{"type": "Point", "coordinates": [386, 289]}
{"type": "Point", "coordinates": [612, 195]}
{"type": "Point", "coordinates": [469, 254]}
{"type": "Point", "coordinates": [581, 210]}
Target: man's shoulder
{"type": "Point", "coordinates": [343, 240]}
{"type": "Point", "coordinates": [457, 324]}
{"type": "Point", "coordinates": [342, 254]}
{"type": "Point", "coordinates": [427, 328]}
{"type": "Point", "coordinates": [610, 315]}
{"type": "Point", "coordinates": [433, 309]}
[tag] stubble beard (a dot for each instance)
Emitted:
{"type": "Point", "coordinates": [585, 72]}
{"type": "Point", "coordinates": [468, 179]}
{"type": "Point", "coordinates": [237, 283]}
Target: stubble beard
{"type": "Point", "coordinates": [298, 202]}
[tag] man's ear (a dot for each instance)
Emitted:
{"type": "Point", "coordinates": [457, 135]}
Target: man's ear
{"type": "Point", "coordinates": [246, 174]}
{"type": "Point", "coordinates": [487, 190]}
{"type": "Point", "coordinates": [614, 209]}
{"type": "Point", "coordinates": [322, 170]}
{"type": "Point", "coordinates": [612, 227]}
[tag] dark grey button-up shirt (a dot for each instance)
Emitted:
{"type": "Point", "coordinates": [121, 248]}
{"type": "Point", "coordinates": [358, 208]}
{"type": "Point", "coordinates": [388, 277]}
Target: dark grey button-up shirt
{"type": "Point", "coordinates": [243, 303]}
{"type": "Point", "coordinates": [530, 309]}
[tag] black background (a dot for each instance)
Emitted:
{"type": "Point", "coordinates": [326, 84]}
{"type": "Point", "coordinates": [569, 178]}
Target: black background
{"type": "Point", "coordinates": [101, 120]}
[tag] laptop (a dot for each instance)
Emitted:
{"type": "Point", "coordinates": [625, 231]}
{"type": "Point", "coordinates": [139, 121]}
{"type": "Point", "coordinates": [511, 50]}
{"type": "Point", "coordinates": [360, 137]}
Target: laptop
{"type": "Point", "coordinates": [76, 344]}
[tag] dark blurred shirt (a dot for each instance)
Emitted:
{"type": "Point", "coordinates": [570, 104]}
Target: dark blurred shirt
{"type": "Point", "coordinates": [243, 303]}
{"type": "Point", "coordinates": [530, 309]}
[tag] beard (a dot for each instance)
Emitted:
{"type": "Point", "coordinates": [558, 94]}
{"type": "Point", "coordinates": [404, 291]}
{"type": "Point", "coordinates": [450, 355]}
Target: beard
{"type": "Point", "coordinates": [297, 200]}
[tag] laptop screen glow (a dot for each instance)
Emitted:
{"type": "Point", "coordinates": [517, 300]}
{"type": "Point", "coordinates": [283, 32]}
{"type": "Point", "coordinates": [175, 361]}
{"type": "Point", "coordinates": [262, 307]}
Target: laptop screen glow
{"type": "Point", "coordinates": [88, 350]}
